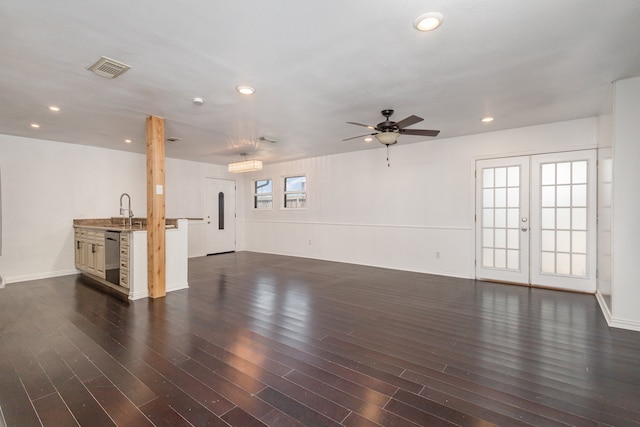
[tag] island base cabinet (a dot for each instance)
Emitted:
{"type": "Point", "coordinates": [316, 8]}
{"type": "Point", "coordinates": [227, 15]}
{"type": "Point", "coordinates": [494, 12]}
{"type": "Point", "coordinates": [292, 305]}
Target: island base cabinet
{"type": "Point", "coordinates": [91, 252]}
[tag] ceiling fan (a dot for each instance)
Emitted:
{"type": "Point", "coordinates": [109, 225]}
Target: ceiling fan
{"type": "Point", "coordinates": [387, 132]}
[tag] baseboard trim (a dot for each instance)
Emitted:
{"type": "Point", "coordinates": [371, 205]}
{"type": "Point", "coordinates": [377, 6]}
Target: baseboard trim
{"type": "Point", "coordinates": [38, 276]}
{"type": "Point", "coordinates": [388, 267]}
{"type": "Point", "coordinates": [616, 322]}
{"type": "Point", "coordinates": [604, 307]}
{"type": "Point", "coordinates": [177, 286]}
{"type": "Point", "coordinates": [144, 293]}
{"type": "Point", "coordinates": [630, 325]}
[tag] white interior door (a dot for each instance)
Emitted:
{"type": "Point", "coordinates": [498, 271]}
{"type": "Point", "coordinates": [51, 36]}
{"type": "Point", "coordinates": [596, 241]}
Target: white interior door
{"type": "Point", "coordinates": [221, 216]}
{"type": "Point", "coordinates": [536, 220]}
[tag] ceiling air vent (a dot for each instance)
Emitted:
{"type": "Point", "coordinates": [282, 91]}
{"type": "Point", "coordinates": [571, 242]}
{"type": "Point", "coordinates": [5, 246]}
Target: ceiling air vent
{"type": "Point", "coordinates": [107, 67]}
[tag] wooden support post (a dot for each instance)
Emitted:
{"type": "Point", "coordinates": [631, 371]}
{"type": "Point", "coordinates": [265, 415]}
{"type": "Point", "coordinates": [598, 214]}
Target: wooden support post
{"type": "Point", "coordinates": [156, 250]}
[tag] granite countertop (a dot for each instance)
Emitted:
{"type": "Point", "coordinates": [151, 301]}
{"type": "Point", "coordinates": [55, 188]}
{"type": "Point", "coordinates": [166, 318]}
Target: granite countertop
{"type": "Point", "coordinates": [119, 223]}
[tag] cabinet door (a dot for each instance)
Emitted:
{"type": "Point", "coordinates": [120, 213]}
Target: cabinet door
{"type": "Point", "coordinates": [90, 252]}
{"type": "Point", "coordinates": [81, 250]}
{"type": "Point", "coordinates": [99, 262]}
{"type": "Point", "coordinates": [79, 253]}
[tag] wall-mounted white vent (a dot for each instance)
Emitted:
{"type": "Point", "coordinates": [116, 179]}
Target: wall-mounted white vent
{"type": "Point", "coordinates": [107, 67]}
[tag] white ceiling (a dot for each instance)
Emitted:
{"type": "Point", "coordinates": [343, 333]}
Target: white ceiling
{"type": "Point", "coordinates": [315, 66]}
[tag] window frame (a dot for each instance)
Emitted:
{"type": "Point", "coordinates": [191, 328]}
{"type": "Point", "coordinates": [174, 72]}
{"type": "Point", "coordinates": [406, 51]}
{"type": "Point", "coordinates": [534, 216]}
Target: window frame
{"type": "Point", "coordinates": [255, 194]}
{"type": "Point", "coordinates": [283, 206]}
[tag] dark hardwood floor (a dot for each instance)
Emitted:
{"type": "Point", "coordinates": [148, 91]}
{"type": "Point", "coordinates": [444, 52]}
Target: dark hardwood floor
{"type": "Point", "coordinates": [280, 341]}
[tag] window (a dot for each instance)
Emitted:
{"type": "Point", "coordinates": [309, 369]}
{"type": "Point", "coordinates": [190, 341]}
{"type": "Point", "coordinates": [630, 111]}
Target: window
{"type": "Point", "coordinates": [263, 194]}
{"type": "Point", "coordinates": [221, 211]}
{"type": "Point", "coordinates": [295, 192]}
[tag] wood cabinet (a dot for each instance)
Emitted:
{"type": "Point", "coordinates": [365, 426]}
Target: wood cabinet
{"type": "Point", "coordinates": [89, 252]}
{"type": "Point", "coordinates": [126, 272]}
{"type": "Point", "coordinates": [124, 259]}
{"type": "Point", "coordinates": [81, 249]}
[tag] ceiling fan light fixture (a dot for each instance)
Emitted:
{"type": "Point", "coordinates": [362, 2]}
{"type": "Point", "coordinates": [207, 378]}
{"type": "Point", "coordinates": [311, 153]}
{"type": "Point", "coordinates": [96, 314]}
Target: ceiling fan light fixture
{"type": "Point", "coordinates": [428, 21]}
{"type": "Point", "coordinates": [387, 138]}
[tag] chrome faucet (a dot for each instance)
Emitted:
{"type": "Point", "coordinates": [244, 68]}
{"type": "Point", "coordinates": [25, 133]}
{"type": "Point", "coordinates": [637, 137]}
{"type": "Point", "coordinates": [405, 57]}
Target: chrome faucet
{"type": "Point", "coordinates": [128, 209]}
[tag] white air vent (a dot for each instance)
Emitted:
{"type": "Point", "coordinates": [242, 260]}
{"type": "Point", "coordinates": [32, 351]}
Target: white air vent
{"type": "Point", "coordinates": [107, 67]}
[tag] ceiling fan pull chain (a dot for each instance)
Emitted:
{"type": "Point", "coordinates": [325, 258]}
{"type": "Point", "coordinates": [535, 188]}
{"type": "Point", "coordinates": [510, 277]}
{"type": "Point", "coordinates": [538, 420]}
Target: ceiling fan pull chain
{"type": "Point", "coordinates": [388, 155]}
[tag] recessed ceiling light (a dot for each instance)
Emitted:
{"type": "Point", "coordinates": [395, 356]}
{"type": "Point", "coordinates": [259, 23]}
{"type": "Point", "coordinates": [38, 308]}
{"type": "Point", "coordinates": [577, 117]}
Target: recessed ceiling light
{"type": "Point", "coordinates": [368, 139]}
{"type": "Point", "coordinates": [198, 101]}
{"type": "Point", "coordinates": [487, 119]}
{"type": "Point", "coordinates": [54, 108]}
{"type": "Point", "coordinates": [245, 90]}
{"type": "Point", "coordinates": [35, 125]}
{"type": "Point", "coordinates": [428, 21]}
{"type": "Point", "coordinates": [128, 141]}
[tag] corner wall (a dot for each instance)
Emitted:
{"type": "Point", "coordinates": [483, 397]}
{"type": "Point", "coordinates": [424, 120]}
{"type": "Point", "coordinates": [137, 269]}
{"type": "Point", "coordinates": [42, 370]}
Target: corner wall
{"type": "Point", "coordinates": [605, 194]}
{"type": "Point", "coordinates": [625, 286]}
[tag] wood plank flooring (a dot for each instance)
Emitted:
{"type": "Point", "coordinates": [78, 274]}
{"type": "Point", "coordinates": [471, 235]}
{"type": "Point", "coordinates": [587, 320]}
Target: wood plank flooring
{"type": "Point", "coordinates": [280, 341]}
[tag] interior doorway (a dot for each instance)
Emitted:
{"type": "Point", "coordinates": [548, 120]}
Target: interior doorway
{"type": "Point", "coordinates": [536, 220]}
{"type": "Point", "coordinates": [221, 216]}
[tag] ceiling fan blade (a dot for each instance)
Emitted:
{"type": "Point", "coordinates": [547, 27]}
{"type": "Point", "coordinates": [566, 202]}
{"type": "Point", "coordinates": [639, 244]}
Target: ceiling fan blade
{"type": "Point", "coordinates": [360, 124]}
{"type": "Point", "coordinates": [411, 120]}
{"type": "Point", "coordinates": [361, 136]}
{"type": "Point", "coordinates": [421, 132]}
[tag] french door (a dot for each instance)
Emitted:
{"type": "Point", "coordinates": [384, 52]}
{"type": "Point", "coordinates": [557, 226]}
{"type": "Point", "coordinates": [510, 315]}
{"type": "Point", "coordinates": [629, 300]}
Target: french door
{"type": "Point", "coordinates": [536, 220]}
{"type": "Point", "coordinates": [221, 216]}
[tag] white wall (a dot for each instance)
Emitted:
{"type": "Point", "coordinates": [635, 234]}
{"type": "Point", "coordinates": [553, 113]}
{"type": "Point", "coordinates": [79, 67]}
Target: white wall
{"type": "Point", "coordinates": [625, 288]}
{"type": "Point", "coordinates": [46, 184]}
{"type": "Point", "coordinates": [187, 200]}
{"type": "Point", "coordinates": [361, 211]}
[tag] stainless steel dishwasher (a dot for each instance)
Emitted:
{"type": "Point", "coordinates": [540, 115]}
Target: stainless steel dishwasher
{"type": "Point", "coordinates": [112, 256]}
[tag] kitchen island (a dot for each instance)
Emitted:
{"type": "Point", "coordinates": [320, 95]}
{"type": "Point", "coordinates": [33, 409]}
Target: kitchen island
{"type": "Point", "coordinates": [112, 252]}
